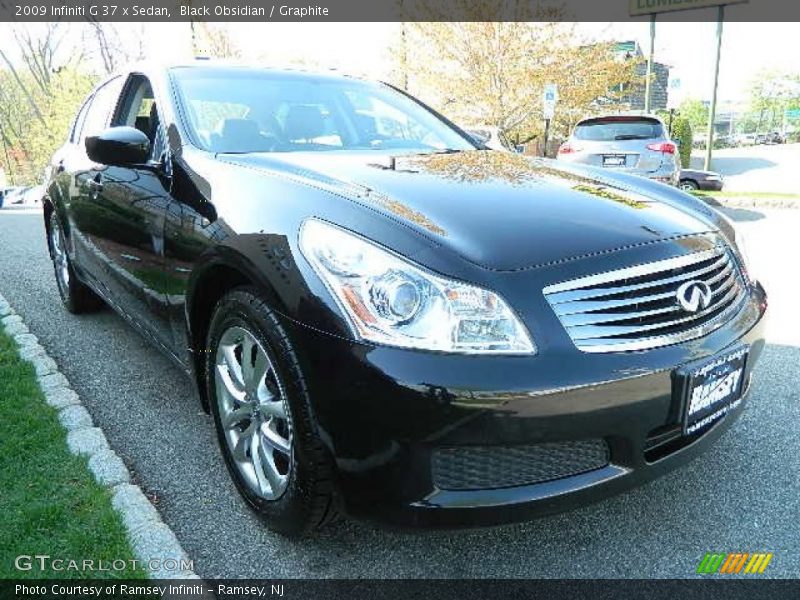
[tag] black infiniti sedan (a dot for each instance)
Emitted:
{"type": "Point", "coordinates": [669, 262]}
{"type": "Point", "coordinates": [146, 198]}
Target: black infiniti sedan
{"type": "Point", "coordinates": [386, 320]}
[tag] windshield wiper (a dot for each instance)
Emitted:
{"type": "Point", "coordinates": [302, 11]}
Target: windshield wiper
{"type": "Point", "coordinates": [632, 137]}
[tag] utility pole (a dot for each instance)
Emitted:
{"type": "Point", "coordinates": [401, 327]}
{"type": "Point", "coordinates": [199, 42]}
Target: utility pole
{"type": "Point", "coordinates": [712, 113]}
{"type": "Point", "coordinates": [647, 84]}
{"type": "Point", "coordinates": [546, 136]}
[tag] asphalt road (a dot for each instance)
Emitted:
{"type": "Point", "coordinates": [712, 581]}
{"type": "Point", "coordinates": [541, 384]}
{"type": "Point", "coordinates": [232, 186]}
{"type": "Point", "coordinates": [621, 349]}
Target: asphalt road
{"type": "Point", "coordinates": [763, 168]}
{"type": "Point", "coordinates": [742, 496]}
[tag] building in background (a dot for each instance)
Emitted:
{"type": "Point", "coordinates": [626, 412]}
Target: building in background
{"type": "Point", "coordinates": [633, 99]}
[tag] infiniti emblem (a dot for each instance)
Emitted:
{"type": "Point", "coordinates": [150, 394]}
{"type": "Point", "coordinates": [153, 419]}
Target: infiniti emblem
{"type": "Point", "coordinates": [694, 296]}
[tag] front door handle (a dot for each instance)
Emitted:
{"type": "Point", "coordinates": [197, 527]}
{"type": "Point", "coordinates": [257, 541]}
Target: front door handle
{"type": "Point", "coordinates": [96, 186]}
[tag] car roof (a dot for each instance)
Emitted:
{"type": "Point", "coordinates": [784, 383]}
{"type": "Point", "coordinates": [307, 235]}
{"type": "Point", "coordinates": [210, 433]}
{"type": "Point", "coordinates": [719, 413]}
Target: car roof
{"type": "Point", "coordinates": [620, 117]}
{"type": "Point", "coordinates": [222, 66]}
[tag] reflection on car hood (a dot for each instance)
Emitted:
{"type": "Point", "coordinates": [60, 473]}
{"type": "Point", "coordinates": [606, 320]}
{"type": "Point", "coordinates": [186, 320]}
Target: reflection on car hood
{"type": "Point", "coordinates": [499, 210]}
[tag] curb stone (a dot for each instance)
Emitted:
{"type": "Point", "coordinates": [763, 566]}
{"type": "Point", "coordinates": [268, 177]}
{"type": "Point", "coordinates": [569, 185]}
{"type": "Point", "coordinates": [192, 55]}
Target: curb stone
{"type": "Point", "coordinates": [43, 364]}
{"type": "Point", "coordinates": [108, 468]}
{"type": "Point", "coordinates": [10, 319]}
{"type": "Point", "coordinates": [52, 381]}
{"type": "Point", "coordinates": [15, 328]}
{"type": "Point", "coordinates": [26, 340]}
{"type": "Point", "coordinates": [74, 418]}
{"type": "Point", "coordinates": [86, 441]}
{"type": "Point", "coordinates": [61, 397]}
{"type": "Point", "coordinates": [150, 537]}
{"type": "Point", "coordinates": [28, 353]}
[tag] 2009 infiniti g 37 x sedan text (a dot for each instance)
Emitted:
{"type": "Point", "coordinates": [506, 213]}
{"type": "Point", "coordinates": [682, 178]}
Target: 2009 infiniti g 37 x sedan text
{"type": "Point", "coordinates": [387, 320]}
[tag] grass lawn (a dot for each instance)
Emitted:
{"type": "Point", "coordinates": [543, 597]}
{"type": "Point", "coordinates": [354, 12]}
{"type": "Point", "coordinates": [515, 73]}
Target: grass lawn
{"type": "Point", "coordinates": [49, 502]}
{"type": "Point", "coordinates": [756, 195]}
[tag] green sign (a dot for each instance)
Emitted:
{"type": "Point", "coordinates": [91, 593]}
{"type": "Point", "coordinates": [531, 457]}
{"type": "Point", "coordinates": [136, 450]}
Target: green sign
{"type": "Point", "coordinates": [649, 7]}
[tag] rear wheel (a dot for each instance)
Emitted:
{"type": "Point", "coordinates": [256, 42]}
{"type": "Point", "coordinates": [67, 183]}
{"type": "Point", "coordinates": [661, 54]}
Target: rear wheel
{"type": "Point", "coordinates": [75, 295]}
{"type": "Point", "coordinates": [687, 185]}
{"type": "Point", "coordinates": [262, 413]}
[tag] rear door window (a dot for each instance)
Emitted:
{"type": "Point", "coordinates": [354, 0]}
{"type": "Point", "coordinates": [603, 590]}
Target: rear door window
{"type": "Point", "coordinates": [617, 129]}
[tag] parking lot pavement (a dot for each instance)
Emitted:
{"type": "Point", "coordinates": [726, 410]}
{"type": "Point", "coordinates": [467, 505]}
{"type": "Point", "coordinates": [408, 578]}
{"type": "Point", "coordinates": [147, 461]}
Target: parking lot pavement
{"type": "Point", "coordinates": [742, 496]}
{"type": "Point", "coordinates": [763, 168]}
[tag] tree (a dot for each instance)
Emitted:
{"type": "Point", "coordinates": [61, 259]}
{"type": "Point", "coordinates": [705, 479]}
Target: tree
{"type": "Point", "coordinates": [771, 93]}
{"type": "Point", "coordinates": [495, 72]}
{"type": "Point", "coordinates": [104, 42]}
{"type": "Point", "coordinates": [682, 133]}
{"type": "Point", "coordinates": [39, 95]}
{"type": "Point", "coordinates": [213, 39]}
{"type": "Point", "coordinates": [696, 112]}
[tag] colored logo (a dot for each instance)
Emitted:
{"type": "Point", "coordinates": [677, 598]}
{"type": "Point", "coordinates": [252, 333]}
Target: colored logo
{"type": "Point", "coordinates": [734, 563]}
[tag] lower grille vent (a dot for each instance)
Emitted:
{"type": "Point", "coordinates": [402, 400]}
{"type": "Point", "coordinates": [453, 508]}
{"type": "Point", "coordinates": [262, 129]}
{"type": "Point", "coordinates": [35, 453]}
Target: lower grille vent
{"type": "Point", "coordinates": [488, 467]}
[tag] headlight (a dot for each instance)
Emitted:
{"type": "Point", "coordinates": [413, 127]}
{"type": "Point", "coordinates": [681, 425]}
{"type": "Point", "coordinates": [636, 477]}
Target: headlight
{"type": "Point", "coordinates": [739, 243]}
{"type": "Point", "coordinates": [394, 302]}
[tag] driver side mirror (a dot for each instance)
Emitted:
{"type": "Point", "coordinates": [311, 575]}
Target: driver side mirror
{"type": "Point", "coordinates": [119, 146]}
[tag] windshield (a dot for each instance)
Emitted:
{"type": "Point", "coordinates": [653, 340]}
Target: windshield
{"type": "Point", "coordinates": [609, 130]}
{"type": "Point", "coordinates": [247, 110]}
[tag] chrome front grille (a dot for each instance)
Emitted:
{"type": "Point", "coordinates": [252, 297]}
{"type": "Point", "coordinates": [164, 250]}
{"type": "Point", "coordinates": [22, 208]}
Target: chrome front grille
{"type": "Point", "coordinates": [637, 307]}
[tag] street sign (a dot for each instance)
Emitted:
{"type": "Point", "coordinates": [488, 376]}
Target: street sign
{"type": "Point", "coordinates": [675, 90]}
{"type": "Point", "coordinates": [640, 8]}
{"type": "Point", "coordinates": [549, 99]}
{"type": "Point", "coordinates": [793, 113]}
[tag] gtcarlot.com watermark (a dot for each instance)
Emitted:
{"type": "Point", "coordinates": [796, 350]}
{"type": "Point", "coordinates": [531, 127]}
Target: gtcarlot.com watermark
{"type": "Point", "coordinates": [45, 562]}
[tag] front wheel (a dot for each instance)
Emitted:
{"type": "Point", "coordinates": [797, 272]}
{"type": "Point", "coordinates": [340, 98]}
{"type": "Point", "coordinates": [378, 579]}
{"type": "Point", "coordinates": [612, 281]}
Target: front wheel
{"type": "Point", "coordinates": [75, 294]}
{"type": "Point", "coordinates": [262, 413]}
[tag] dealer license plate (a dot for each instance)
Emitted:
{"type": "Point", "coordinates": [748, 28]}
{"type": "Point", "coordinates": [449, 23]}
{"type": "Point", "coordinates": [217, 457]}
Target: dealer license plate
{"type": "Point", "coordinates": [613, 160]}
{"type": "Point", "coordinates": [712, 389]}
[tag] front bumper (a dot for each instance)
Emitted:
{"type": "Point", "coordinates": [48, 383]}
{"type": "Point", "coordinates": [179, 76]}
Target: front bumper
{"type": "Point", "coordinates": [668, 172]}
{"type": "Point", "coordinates": [385, 413]}
{"type": "Point", "coordinates": [711, 185]}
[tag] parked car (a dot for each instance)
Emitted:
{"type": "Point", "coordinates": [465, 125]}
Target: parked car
{"type": "Point", "coordinates": [773, 137]}
{"type": "Point", "coordinates": [693, 179]}
{"type": "Point", "coordinates": [24, 195]}
{"type": "Point", "coordinates": [491, 137]}
{"type": "Point", "coordinates": [385, 319]}
{"type": "Point", "coordinates": [9, 195]}
{"type": "Point", "coordinates": [632, 143]}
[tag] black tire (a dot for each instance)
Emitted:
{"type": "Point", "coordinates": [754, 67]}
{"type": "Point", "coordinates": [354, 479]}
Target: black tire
{"type": "Point", "coordinates": [689, 185]}
{"type": "Point", "coordinates": [77, 296]}
{"type": "Point", "coordinates": [308, 501]}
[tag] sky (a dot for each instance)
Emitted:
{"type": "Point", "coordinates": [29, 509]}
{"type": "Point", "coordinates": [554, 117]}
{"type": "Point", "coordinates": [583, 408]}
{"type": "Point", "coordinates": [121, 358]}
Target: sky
{"type": "Point", "coordinates": [363, 48]}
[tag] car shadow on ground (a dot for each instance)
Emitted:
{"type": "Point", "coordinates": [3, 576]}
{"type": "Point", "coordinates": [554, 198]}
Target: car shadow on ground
{"type": "Point", "coordinates": [733, 165]}
{"type": "Point", "coordinates": [740, 214]}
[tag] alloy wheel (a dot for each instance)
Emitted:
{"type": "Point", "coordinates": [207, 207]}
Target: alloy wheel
{"type": "Point", "coordinates": [253, 413]}
{"type": "Point", "coordinates": [60, 259]}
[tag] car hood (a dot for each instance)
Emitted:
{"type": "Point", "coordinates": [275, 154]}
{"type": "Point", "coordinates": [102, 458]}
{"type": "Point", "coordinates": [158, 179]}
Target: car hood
{"type": "Point", "coordinates": [499, 210]}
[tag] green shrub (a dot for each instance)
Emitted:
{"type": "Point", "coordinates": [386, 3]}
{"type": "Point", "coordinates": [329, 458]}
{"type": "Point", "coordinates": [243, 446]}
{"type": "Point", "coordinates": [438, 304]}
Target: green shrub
{"type": "Point", "coordinates": [682, 133]}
